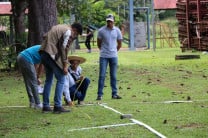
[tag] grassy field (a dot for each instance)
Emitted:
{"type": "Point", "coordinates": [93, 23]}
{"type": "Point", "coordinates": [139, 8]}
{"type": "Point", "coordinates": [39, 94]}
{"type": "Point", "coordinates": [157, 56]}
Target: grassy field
{"type": "Point", "coordinates": [147, 80]}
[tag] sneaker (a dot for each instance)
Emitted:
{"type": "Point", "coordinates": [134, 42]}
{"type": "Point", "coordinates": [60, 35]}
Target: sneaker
{"type": "Point", "coordinates": [39, 106]}
{"type": "Point", "coordinates": [46, 109]}
{"type": "Point", "coordinates": [32, 105]}
{"type": "Point", "coordinates": [116, 97]}
{"type": "Point", "coordinates": [99, 98]}
{"type": "Point", "coordinates": [58, 110]}
{"type": "Point", "coordinates": [40, 89]}
{"type": "Point", "coordinates": [89, 51]}
{"type": "Point", "coordinates": [80, 102]}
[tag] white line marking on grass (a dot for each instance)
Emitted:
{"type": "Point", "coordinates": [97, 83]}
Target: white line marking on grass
{"type": "Point", "coordinates": [89, 104]}
{"type": "Point", "coordinates": [19, 106]}
{"type": "Point", "coordinates": [106, 126]}
{"type": "Point", "coordinates": [136, 121]}
{"type": "Point", "coordinates": [178, 102]}
{"type": "Point", "coordinates": [148, 127]}
{"type": "Point", "coordinates": [167, 102]}
{"type": "Point", "coordinates": [105, 106]}
{"type": "Point", "coordinates": [13, 106]}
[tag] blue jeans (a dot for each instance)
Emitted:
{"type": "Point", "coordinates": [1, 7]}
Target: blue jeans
{"type": "Point", "coordinates": [51, 68]}
{"type": "Point", "coordinates": [81, 92]}
{"type": "Point", "coordinates": [113, 62]}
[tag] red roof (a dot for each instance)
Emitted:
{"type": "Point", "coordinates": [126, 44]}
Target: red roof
{"type": "Point", "coordinates": [5, 8]}
{"type": "Point", "coordinates": [164, 4]}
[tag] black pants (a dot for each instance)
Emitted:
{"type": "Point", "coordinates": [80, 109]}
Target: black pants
{"type": "Point", "coordinates": [87, 42]}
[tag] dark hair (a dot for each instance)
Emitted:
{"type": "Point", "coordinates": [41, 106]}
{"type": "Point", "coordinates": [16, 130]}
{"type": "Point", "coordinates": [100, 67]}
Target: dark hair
{"type": "Point", "coordinates": [78, 26]}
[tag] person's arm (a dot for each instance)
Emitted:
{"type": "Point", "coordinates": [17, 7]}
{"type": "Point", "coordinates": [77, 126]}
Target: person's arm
{"type": "Point", "coordinates": [66, 91]}
{"type": "Point", "coordinates": [99, 41]}
{"type": "Point", "coordinates": [81, 77]}
{"type": "Point", "coordinates": [39, 71]}
{"type": "Point", "coordinates": [119, 44]}
{"type": "Point", "coordinates": [119, 39]}
{"type": "Point", "coordinates": [65, 67]}
{"type": "Point", "coordinates": [65, 50]}
{"type": "Point", "coordinates": [66, 37]}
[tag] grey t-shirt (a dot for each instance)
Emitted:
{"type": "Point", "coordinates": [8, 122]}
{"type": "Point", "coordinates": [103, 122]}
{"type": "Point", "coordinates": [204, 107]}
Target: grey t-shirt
{"type": "Point", "coordinates": [109, 39]}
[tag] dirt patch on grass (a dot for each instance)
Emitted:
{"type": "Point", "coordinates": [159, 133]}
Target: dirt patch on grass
{"type": "Point", "coordinates": [190, 126]}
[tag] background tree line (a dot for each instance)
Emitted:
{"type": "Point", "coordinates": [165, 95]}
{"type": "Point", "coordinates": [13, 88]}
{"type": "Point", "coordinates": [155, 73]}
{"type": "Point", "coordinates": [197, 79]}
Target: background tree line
{"type": "Point", "coordinates": [42, 15]}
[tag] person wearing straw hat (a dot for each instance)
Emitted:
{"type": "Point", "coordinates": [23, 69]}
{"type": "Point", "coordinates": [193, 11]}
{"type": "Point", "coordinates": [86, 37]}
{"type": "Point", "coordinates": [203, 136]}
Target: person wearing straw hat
{"type": "Point", "coordinates": [76, 85]}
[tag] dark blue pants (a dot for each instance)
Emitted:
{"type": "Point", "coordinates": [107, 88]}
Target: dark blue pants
{"type": "Point", "coordinates": [81, 92]}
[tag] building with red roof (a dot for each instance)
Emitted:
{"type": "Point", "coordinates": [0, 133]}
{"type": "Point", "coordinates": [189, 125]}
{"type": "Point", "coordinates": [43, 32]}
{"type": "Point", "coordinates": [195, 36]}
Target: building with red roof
{"type": "Point", "coordinates": [164, 4]}
{"type": "Point", "coordinates": [5, 8]}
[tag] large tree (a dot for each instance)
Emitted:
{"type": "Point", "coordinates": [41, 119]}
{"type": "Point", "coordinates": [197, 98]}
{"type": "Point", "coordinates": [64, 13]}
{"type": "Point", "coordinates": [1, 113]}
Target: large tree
{"type": "Point", "coordinates": [42, 16]}
{"type": "Point", "coordinates": [18, 9]}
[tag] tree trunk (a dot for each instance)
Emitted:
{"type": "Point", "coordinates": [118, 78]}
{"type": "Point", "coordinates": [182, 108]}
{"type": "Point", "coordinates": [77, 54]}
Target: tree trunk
{"type": "Point", "coordinates": [18, 9]}
{"type": "Point", "coordinates": [42, 16]}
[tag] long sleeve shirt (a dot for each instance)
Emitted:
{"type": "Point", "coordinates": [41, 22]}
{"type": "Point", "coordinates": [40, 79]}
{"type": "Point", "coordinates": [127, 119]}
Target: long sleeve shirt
{"type": "Point", "coordinates": [70, 80]}
{"type": "Point", "coordinates": [57, 43]}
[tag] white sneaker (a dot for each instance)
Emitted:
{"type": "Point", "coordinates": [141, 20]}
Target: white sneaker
{"type": "Point", "coordinates": [40, 89]}
{"type": "Point", "coordinates": [39, 106]}
{"type": "Point", "coordinates": [32, 105]}
{"type": "Point", "coordinates": [81, 103]}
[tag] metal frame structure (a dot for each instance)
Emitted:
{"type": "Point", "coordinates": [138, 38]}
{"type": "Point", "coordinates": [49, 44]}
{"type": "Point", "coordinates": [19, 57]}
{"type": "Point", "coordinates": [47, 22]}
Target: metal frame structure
{"type": "Point", "coordinates": [131, 16]}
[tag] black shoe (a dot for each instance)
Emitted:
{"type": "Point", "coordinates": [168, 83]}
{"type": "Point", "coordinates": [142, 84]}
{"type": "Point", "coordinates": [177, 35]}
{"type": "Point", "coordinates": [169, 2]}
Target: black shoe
{"type": "Point", "coordinates": [116, 97]}
{"type": "Point", "coordinates": [46, 109]}
{"type": "Point", "coordinates": [58, 110]}
{"type": "Point", "coordinates": [99, 98]}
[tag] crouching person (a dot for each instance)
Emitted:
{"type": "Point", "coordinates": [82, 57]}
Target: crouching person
{"type": "Point", "coordinates": [76, 85]}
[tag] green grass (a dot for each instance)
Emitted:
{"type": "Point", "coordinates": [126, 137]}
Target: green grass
{"type": "Point", "coordinates": [146, 79]}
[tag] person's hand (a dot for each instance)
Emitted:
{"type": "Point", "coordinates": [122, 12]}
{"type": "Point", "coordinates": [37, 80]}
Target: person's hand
{"type": "Point", "coordinates": [81, 78]}
{"type": "Point", "coordinates": [39, 81]}
{"type": "Point", "coordinates": [65, 70]}
{"type": "Point", "coordinates": [71, 103]}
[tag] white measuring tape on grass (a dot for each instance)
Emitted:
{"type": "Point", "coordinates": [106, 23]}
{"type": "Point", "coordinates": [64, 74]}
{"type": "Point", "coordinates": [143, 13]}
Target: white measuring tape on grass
{"type": "Point", "coordinates": [106, 126]}
{"type": "Point", "coordinates": [136, 121]}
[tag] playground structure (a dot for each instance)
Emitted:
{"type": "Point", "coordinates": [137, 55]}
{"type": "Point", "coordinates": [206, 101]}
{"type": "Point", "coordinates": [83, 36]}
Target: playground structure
{"type": "Point", "coordinates": [165, 34]}
{"type": "Point", "coordinates": [192, 16]}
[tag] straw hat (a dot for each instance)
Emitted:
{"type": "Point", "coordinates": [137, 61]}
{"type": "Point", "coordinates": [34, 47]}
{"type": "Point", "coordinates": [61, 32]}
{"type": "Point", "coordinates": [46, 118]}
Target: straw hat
{"type": "Point", "coordinates": [75, 57]}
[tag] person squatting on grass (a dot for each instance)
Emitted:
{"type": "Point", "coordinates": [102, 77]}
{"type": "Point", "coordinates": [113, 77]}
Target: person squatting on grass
{"type": "Point", "coordinates": [76, 85]}
{"type": "Point", "coordinates": [27, 61]}
{"type": "Point", "coordinates": [109, 41]}
{"type": "Point", "coordinates": [54, 51]}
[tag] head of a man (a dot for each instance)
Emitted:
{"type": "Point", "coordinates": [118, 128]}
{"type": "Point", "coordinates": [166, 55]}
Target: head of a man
{"type": "Point", "coordinates": [110, 20]}
{"type": "Point", "coordinates": [75, 61]}
{"type": "Point", "coordinates": [77, 29]}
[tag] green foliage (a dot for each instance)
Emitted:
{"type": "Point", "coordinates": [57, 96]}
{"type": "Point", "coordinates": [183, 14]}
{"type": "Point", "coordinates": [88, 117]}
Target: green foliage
{"type": "Point", "coordinates": [88, 11]}
{"type": "Point", "coordinates": [167, 14]}
{"type": "Point", "coordinates": [7, 57]}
